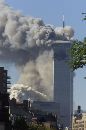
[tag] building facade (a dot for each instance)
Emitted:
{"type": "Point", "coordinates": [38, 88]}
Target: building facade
{"type": "Point", "coordinates": [79, 123]}
{"type": "Point", "coordinates": [4, 100]}
{"type": "Point", "coordinates": [63, 81]}
{"type": "Point", "coordinates": [50, 107]}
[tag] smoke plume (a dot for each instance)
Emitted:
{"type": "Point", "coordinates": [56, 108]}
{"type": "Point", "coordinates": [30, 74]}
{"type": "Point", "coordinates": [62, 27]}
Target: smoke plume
{"type": "Point", "coordinates": [27, 42]}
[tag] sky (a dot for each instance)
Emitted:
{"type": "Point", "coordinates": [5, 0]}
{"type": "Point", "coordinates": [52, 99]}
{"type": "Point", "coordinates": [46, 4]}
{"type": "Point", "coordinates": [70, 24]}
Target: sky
{"type": "Point", "coordinates": [51, 11]}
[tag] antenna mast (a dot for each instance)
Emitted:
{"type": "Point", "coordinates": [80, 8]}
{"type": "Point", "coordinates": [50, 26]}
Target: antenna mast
{"type": "Point", "coordinates": [63, 21]}
{"type": "Point", "coordinates": [63, 24]}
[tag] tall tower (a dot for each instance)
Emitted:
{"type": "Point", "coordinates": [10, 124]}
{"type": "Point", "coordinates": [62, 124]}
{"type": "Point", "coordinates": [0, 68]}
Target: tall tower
{"type": "Point", "coordinates": [63, 81]}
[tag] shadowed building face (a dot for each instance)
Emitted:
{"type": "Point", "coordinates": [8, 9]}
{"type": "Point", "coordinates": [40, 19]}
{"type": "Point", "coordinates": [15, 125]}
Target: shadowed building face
{"type": "Point", "coordinates": [63, 81]}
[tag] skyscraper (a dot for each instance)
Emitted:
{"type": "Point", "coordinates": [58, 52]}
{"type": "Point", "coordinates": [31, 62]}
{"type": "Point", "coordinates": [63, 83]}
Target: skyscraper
{"type": "Point", "coordinates": [63, 81]}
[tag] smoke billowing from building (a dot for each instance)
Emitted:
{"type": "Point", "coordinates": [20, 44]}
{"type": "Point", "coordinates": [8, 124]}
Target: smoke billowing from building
{"type": "Point", "coordinates": [27, 42]}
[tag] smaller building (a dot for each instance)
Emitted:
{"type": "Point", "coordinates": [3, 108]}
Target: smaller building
{"type": "Point", "coordinates": [79, 120]}
{"type": "Point", "coordinates": [79, 124]}
{"type": "Point", "coordinates": [3, 80]}
{"type": "Point", "coordinates": [45, 113]}
{"type": "Point", "coordinates": [20, 110]}
{"type": "Point", "coordinates": [4, 100]}
{"type": "Point", "coordinates": [50, 107]}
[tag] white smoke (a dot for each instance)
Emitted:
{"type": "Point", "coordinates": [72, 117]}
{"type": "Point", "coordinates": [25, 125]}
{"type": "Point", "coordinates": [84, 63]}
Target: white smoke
{"type": "Point", "coordinates": [67, 31]}
{"type": "Point", "coordinates": [21, 92]}
{"type": "Point", "coordinates": [27, 42]}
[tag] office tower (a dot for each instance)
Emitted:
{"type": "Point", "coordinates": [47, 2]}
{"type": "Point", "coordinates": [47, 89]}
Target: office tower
{"type": "Point", "coordinates": [63, 81]}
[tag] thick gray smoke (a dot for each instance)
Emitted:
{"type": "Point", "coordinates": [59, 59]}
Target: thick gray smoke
{"type": "Point", "coordinates": [27, 42]}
